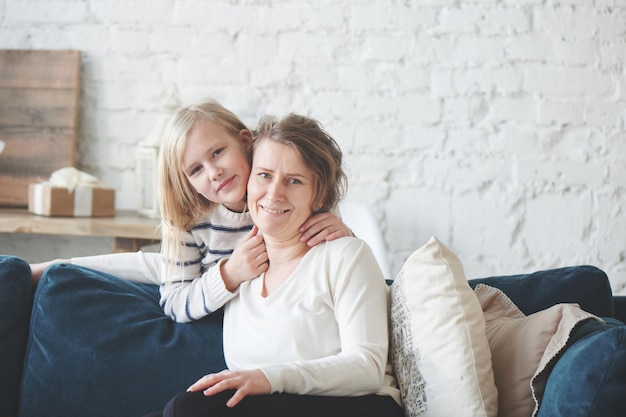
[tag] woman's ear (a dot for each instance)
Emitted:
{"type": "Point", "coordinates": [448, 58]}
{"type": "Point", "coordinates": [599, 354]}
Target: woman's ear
{"type": "Point", "coordinates": [246, 138]}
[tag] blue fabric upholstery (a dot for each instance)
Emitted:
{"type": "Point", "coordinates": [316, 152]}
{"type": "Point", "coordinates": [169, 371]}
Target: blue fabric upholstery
{"type": "Point", "coordinates": [15, 304]}
{"type": "Point", "coordinates": [589, 380]}
{"type": "Point", "coordinates": [620, 307]}
{"type": "Point", "coordinates": [101, 346]}
{"type": "Point", "coordinates": [586, 285]}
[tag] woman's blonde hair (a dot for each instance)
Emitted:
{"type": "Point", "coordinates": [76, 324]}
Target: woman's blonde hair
{"type": "Point", "coordinates": [319, 151]}
{"type": "Point", "coordinates": [180, 204]}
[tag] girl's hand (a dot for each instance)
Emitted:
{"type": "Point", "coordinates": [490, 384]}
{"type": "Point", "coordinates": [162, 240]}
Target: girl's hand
{"type": "Point", "coordinates": [323, 226]}
{"type": "Point", "coordinates": [36, 270]}
{"type": "Point", "coordinates": [248, 261]}
{"type": "Point", "coordinates": [252, 382]}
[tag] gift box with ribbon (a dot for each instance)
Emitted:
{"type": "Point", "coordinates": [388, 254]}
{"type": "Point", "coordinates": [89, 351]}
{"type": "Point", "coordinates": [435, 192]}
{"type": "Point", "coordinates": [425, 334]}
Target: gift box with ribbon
{"type": "Point", "coordinates": [71, 192]}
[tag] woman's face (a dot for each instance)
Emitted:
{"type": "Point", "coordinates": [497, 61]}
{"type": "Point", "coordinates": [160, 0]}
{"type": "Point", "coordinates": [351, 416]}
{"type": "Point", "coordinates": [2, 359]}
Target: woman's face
{"type": "Point", "coordinates": [216, 164]}
{"type": "Point", "coordinates": [280, 190]}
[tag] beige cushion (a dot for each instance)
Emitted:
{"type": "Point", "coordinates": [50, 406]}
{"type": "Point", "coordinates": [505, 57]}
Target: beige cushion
{"type": "Point", "coordinates": [524, 348]}
{"type": "Point", "coordinates": [439, 349]}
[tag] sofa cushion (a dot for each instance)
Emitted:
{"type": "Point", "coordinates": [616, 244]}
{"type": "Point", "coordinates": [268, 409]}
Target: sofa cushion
{"type": "Point", "coordinates": [598, 362]}
{"type": "Point", "coordinates": [15, 304]}
{"type": "Point", "coordinates": [439, 348]}
{"type": "Point", "coordinates": [101, 346]}
{"type": "Point", "coordinates": [524, 348]}
{"type": "Point", "coordinates": [585, 285]}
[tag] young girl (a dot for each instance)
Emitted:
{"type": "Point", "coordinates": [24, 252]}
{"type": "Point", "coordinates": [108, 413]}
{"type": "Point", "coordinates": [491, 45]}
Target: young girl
{"type": "Point", "coordinates": [209, 245]}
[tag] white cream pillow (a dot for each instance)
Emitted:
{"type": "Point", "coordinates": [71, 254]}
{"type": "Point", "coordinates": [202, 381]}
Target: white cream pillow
{"type": "Point", "coordinates": [439, 348]}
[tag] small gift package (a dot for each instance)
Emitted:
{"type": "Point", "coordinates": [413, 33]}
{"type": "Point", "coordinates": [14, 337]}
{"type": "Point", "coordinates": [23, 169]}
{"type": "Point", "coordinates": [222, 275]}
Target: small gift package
{"type": "Point", "coordinates": [71, 192]}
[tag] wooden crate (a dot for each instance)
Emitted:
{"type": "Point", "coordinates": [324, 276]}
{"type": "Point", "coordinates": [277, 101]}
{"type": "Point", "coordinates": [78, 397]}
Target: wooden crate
{"type": "Point", "coordinates": [39, 102]}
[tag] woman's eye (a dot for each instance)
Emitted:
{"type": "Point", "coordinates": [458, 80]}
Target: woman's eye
{"type": "Point", "coordinates": [264, 175]}
{"type": "Point", "coordinates": [295, 181]}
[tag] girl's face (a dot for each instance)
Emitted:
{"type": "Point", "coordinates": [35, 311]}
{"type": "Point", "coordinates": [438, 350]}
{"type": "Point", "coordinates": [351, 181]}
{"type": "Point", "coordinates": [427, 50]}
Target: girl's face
{"type": "Point", "coordinates": [280, 190]}
{"type": "Point", "coordinates": [216, 164]}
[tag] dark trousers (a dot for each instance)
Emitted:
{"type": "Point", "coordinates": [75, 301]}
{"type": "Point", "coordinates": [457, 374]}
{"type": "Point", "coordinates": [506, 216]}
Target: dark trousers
{"type": "Point", "coordinates": [196, 404]}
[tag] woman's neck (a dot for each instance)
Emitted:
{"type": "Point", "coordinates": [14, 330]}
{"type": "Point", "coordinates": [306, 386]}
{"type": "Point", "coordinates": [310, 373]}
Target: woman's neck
{"type": "Point", "coordinates": [284, 257]}
{"type": "Point", "coordinates": [279, 251]}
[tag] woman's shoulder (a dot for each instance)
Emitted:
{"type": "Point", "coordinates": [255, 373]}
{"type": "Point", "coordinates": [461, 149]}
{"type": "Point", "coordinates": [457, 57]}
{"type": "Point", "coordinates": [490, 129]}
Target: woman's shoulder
{"type": "Point", "coordinates": [346, 246]}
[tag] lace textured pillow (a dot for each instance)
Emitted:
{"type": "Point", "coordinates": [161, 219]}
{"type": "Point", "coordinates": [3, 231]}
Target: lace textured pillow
{"type": "Point", "coordinates": [439, 348]}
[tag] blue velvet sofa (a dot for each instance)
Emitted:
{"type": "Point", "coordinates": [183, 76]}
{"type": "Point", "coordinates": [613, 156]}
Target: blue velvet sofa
{"type": "Point", "coordinates": [88, 344]}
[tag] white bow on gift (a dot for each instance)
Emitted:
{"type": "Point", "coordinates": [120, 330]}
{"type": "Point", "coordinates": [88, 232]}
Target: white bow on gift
{"type": "Point", "coordinates": [71, 178]}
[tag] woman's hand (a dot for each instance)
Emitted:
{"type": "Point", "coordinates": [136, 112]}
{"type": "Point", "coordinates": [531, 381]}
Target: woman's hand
{"type": "Point", "coordinates": [248, 261]}
{"type": "Point", "coordinates": [323, 226]}
{"type": "Point", "coordinates": [252, 382]}
{"type": "Point", "coordinates": [36, 270]}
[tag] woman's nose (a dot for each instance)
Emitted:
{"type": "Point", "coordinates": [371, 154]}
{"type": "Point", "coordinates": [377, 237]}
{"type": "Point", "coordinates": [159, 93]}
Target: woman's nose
{"type": "Point", "coordinates": [275, 190]}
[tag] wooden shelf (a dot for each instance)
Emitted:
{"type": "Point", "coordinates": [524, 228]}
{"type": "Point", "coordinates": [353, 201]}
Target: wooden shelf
{"type": "Point", "coordinates": [130, 230]}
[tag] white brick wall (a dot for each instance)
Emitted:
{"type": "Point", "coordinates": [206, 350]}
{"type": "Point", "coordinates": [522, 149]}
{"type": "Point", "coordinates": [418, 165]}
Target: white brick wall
{"type": "Point", "coordinates": [496, 125]}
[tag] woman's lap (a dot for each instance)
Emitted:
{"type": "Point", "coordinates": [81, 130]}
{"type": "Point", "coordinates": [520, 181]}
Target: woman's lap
{"type": "Point", "coordinates": [278, 405]}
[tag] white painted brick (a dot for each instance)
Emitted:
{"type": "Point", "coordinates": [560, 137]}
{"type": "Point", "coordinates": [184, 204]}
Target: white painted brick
{"type": "Point", "coordinates": [561, 82]}
{"type": "Point", "coordinates": [575, 53]}
{"type": "Point", "coordinates": [14, 38]}
{"type": "Point", "coordinates": [560, 113]}
{"type": "Point", "coordinates": [122, 11]}
{"type": "Point", "coordinates": [205, 43]}
{"type": "Point", "coordinates": [613, 55]}
{"type": "Point", "coordinates": [385, 48]}
{"type": "Point", "coordinates": [464, 111]}
{"type": "Point", "coordinates": [130, 41]}
{"type": "Point", "coordinates": [418, 109]}
{"type": "Point", "coordinates": [477, 81]}
{"type": "Point", "coordinates": [476, 19]}
{"type": "Point", "coordinates": [89, 39]}
{"type": "Point", "coordinates": [497, 205]}
{"type": "Point", "coordinates": [423, 212]}
{"type": "Point", "coordinates": [516, 110]}
{"type": "Point", "coordinates": [611, 22]}
{"type": "Point", "coordinates": [560, 174]}
{"type": "Point", "coordinates": [48, 37]}
{"type": "Point", "coordinates": [550, 217]}
{"type": "Point", "coordinates": [199, 70]}
{"type": "Point", "coordinates": [604, 114]}
{"type": "Point", "coordinates": [115, 68]}
{"type": "Point", "coordinates": [504, 21]}
{"type": "Point", "coordinates": [462, 21]}
{"type": "Point", "coordinates": [179, 40]}
{"type": "Point", "coordinates": [34, 12]}
{"type": "Point", "coordinates": [478, 51]}
{"type": "Point", "coordinates": [618, 176]}
{"type": "Point", "coordinates": [530, 47]}
{"type": "Point", "coordinates": [216, 16]}
{"type": "Point", "coordinates": [566, 22]}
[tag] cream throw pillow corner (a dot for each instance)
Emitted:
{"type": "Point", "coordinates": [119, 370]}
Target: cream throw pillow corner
{"type": "Point", "coordinates": [439, 348]}
{"type": "Point", "coordinates": [523, 347]}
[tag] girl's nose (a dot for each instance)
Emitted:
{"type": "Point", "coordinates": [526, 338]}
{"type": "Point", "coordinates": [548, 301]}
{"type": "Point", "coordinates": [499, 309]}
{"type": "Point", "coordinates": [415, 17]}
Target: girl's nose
{"type": "Point", "coordinates": [215, 172]}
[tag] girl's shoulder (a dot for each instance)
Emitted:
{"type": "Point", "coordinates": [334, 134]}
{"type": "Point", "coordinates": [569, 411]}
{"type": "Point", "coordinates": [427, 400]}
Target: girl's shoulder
{"type": "Point", "coordinates": [219, 216]}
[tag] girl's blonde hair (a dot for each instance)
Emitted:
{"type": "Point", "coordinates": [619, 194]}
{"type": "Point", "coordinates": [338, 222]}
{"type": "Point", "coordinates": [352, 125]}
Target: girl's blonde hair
{"type": "Point", "coordinates": [180, 204]}
{"type": "Point", "coordinates": [319, 151]}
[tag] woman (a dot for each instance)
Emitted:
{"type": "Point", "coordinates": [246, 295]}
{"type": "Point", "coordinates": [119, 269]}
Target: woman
{"type": "Point", "coordinates": [309, 336]}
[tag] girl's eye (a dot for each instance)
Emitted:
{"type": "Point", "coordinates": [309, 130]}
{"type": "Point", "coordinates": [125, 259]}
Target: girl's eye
{"type": "Point", "coordinates": [218, 152]}
{"type": "Point", "coordinates": [194, 171]}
